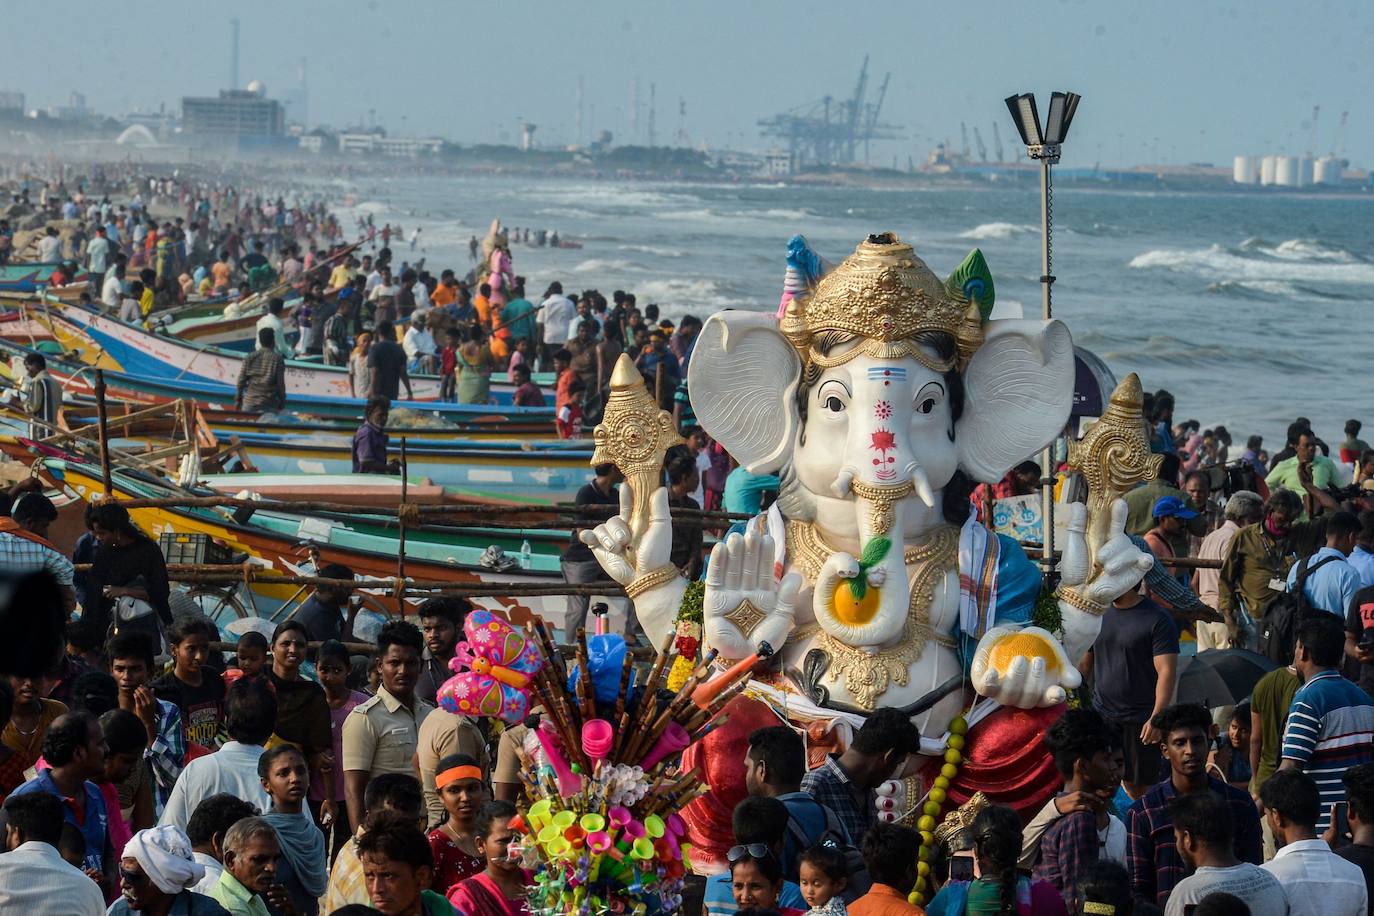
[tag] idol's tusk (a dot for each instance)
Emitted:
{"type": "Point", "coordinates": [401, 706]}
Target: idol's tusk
{"type": "Point", "coordinates": [922, 484]}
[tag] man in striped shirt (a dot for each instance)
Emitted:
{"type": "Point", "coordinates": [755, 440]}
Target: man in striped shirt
{"type": "Point", "coordinates": [1331, 722]}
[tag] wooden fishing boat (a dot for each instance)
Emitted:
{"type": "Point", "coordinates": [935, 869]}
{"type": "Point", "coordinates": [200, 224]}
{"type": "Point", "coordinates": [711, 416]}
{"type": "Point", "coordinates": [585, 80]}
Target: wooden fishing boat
{"type": "Point", "coordinates": [162, 356]}
{"type": "Point", "coordinates": [281, 541]}
{"type": "Point", "coordinates": [80, 411]}
{"type": "Point", "coordinates": [31, 276]}
{"type": "Point", "coordinates": [492, 474]}
{"type": "Point", "coordinates": [79, 378]}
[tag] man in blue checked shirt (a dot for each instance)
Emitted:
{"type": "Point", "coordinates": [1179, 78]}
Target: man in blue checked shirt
{"type": "Point", "coordinates": [131, 665]}
{"type": "Point", "coordinates": [1152, 855]}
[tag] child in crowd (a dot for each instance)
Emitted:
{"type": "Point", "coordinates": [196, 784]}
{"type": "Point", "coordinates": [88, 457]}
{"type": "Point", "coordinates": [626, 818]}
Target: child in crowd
{"type": "Point", "coordinates": [527, 393]}
{"type": "Point", "coordinates": [563, 377]}
{"type": "Point", "coordinates": [824, 874]}
{"type": "Point", "coordinates": [200, 698]}
{"type": "Point", "coordinates": [569, 420]}
{"type": "Point", "coordinates": [448, 364]}
{"type": "Point", "coordinates": [333, 666]}
{"type": "Point", "coordinates": [251, 654]}
{"type": "Point", "coordinates": [756, 878]}
{"type": "Point", "coordinates": [520, 356]}
{"type": "Point", "coordinates": [462, 788]}
{"type": "Point", "coordinates": [303, 866]}
{"type": "Point", "coordinates": [500, 889]}
{"type": "Point", "coordinates": [1230, 758]}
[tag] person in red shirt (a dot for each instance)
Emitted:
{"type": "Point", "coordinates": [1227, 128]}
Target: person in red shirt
{"type": "Point", "coordinates": [527, 393]}
{"type": "Point", "coordinates": [564, 375]}
{"type": "Point", "coordinates": [448, 363]}
{"type": "Point", "coordinates": [569, 418]}
{"type": "Point", "coordinates": [462, 787]}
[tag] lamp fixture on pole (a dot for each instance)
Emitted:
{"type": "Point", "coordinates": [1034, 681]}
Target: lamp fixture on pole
{"type": "Point", "coordinates": [1044, 146]}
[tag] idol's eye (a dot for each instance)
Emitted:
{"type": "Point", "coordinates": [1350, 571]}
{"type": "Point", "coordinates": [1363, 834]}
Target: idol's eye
{"type": "Point", "coordinates": [931, 396]}
{"type": "Point", "coordinates": [833, 397]}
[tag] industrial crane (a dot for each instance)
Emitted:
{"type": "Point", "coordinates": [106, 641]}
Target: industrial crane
{"type": "Point", "coordinates": [997, 140]}
{"type": "Point", "coordinates": [963, 129]}
{"type": "Point", "coordinates": [982, 150]}
{"type": "Point", "coordinates": [818, 134]}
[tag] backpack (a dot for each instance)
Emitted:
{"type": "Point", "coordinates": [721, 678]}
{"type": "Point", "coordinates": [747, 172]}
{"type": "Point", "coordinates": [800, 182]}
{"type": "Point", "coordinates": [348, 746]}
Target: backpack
{"type": "Point", "coordinates": [859, 883]}
{"type": "Point", "coordinates": [1279, 628]}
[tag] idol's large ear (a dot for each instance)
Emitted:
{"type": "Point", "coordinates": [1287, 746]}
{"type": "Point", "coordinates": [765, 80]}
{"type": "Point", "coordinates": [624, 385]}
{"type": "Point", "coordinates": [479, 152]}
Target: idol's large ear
{"type": "Point", "coordinates": [1018, 391]}
{"type": "Point", "coordinates": [743, 383]}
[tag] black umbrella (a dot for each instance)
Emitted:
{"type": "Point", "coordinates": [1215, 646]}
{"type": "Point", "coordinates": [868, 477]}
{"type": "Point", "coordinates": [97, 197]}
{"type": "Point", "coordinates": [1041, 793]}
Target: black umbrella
{"type": "Point", "coordinates": [1220, 677]}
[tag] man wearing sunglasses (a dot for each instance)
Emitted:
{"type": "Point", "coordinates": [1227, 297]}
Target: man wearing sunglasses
{"type": "Point", "coordinates": [760, 823]}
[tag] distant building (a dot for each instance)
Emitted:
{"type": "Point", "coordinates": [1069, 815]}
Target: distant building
{"type": "Point", "coordinates": [777, 163]}
{"type": "Point", "coordinates": [312, 143]}
{"type": "Point", "coordinates": [236, 114]}
{"type": "Point", "coordinates": [376, 142]}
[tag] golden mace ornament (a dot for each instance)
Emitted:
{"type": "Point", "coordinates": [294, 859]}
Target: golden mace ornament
{"type": "Point", "coordinates": [1113, 456]}
{"type": "Point", "coordinates": [633, 434]}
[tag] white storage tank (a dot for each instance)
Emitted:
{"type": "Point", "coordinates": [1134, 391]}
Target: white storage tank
{"type": "Point", "coordinates": [1328, 170]}
{"type": "Point", "coordinates": [1286, 172]}
{"type": "Point", "coordinates": [1305, 170]}
{"type": "Point", "coordinates": [1269, 166]}
{"type": "Point", "coordinates": [1243, 171]}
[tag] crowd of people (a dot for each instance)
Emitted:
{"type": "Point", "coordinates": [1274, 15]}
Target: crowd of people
{"type": "Point", "coordinates": [147, 769]}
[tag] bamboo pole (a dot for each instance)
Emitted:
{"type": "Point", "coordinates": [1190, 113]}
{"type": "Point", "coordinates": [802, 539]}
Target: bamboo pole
{"type": "Point", "coordinates": [104, 432]}
{"type": "Point", "coordinates": [401, 521]}
{"type": "Point", "coordinates": [563, 510]}
{"type": "Point", "coordinates": [228, 572]}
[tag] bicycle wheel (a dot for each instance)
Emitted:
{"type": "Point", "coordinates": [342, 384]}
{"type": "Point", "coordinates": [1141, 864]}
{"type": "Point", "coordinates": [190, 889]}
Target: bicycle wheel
{"type": "Point", "coordinates": [220, 605]}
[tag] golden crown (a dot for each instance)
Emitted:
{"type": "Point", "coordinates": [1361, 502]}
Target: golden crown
{"type": "Point", "coordinates": [886, 296]}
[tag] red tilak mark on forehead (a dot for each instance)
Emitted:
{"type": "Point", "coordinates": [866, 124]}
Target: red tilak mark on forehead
{"type": "Point", "coordinates": [883, 441]}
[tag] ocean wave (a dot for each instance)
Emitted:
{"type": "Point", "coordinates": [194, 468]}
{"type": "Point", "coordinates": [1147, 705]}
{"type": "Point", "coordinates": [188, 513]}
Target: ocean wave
{"type": "Point", "coordinates": [608, 265]}
{"type": "Point", "coordinates": [688, 294]}
{"type": "Point", "coordinates": [1254, 289]}
{"type": "Point", "coordinates": [1310, 250]}
{"type": "Point", "coordinates": [1217, 263]}
{"type": "Point", "coordinates": [711, 215]}
{"type": "Point", "coordinates": [656, 250]}
{"type": "Point", "coordinates": [568, 213]}
{"type": "Point", "coordinates": [997, 231]}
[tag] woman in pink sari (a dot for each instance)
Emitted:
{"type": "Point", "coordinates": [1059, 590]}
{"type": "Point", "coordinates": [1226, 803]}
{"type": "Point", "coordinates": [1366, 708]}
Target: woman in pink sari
{"type": "Point", "coordinates": [499, 890]}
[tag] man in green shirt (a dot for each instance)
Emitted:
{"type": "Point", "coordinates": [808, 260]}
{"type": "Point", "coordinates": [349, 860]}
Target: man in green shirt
{"type": "Point", "coordinates": [1269, 703]}
{"type": "Point", "coordinates": [1255, 568]}
{"type": "Point", "coordinates": [1140, 504]}
{"type": "Point", "coordinates": [250, 869]}
{"type": "Point", "coordinates": [1305, 473]}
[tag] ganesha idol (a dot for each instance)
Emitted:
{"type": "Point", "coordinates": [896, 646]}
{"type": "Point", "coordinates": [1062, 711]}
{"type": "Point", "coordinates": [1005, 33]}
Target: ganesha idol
{"type": "Point", "coordinates": [881, 397]}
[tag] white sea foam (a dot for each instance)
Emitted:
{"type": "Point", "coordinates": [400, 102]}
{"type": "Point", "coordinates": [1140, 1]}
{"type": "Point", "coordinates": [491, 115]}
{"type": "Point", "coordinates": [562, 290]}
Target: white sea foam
{"type": "Point", "coordinates": [687, 294]}
{"type": "Point", "coordinates": [997, 231]}
{"type": "Point", "coordinates": [608, 265]}
{"type": "Point", "coordinates": [1218, 263]}
{"type": "Point", "coordinates": [1309, 250]}
{"type": "Point", "coordinates": [656, 250]}
{"type": "Point", "coordinates": [712, 215]}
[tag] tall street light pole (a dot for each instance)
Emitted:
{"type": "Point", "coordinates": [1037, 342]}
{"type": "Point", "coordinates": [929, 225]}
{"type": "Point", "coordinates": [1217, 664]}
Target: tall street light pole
{"type": "Point", "coordinates": [1043, 145]}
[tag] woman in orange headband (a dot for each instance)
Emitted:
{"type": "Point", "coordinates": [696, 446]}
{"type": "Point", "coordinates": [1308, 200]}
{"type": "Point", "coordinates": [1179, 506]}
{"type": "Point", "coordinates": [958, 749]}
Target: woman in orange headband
{"type": "Point", "coordinates": [462, 787]}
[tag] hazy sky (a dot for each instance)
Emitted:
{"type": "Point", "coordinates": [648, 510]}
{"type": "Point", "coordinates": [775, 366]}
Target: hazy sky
{"type": "Point", "coordinates": [1208, 79]}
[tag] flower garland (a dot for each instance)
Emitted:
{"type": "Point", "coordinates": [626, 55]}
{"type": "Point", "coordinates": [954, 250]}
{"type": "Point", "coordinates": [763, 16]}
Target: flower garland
{"type": "Point", "coordinates": [934, 805]}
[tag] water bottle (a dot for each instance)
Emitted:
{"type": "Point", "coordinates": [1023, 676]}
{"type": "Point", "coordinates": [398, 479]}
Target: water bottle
{"type": "Point", "coordinates": [525, 554]}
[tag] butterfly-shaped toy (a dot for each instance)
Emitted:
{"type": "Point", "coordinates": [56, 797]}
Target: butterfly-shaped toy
{"type": "Point", "coordinates": [499, 663]}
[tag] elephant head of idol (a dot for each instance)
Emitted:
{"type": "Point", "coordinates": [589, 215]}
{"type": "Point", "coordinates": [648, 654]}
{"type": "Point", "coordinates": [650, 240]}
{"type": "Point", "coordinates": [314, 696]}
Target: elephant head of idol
{"type": "Point", "coordinates": [881, 397]}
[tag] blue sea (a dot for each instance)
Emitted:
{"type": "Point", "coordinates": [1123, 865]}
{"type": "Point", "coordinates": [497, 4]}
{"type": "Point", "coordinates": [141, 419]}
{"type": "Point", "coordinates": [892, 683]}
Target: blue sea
{"type": "Point", "coordinates": [1251, 308]}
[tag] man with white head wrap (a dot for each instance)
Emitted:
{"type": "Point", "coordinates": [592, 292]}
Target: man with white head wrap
{"type": "Point", "coordinates": [156, 872]}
